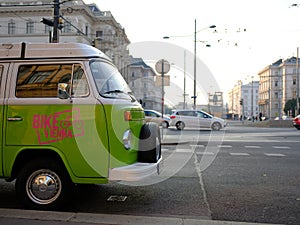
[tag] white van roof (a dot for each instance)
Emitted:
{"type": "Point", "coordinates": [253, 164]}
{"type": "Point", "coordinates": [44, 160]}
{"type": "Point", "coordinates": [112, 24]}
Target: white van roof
{"type": "Point", "coordinates": [49, 50]}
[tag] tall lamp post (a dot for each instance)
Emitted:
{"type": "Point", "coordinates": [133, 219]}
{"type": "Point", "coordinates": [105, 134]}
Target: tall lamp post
{"type": "Point", "coordinates": [195, 57]}
{"type": "Point", "coordinates": [195, 61]}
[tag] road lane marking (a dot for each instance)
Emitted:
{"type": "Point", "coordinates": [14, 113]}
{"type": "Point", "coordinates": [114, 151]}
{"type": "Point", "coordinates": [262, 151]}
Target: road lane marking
{"type": "Point", "coordinates": [200, 146]}
{"type": "Point", "coordinates": [274, 154]}
{"type": "Point", "coordinates": [205, 153]}
{"type": "Point", "coordinates": [184, 150]}
{"type": "Point", "coordinates": [252, 146]}
{"type": "Point", "coordinates": [239, 154]}
{"type": "Point", "coordinates": [281, 147]}
{"type": "Point", "coordinates": [224, 146]}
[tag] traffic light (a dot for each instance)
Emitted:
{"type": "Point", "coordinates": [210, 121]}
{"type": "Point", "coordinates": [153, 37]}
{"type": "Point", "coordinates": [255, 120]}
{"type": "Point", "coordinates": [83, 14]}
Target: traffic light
{"type": "Point", "coordinates": [60, 23]}
{"type": "Point", "coordinates": [50, 22]}
{"type": "Point", "coordinates": [47, 22]}
{"type": "Point", "coordinates": [241, 101]}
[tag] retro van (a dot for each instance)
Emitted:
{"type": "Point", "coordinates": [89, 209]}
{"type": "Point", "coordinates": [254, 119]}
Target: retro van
{"type": "Point", "coordinates": [67, 117]}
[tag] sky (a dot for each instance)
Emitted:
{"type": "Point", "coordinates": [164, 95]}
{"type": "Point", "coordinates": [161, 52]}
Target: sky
{"type": "Point", "coordinates": [249, 34]}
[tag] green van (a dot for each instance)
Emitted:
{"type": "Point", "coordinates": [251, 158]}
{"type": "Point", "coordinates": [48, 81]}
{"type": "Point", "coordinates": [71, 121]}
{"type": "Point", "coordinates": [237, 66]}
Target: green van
{"type": "Point", "coordinates": [67, 118]}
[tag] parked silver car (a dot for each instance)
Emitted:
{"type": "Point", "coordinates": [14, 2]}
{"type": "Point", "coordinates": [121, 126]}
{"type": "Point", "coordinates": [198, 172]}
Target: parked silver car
{"type": "Point", "coordinates": [195, 119]}
{"type": "Point", "coordinates": [154, 116]}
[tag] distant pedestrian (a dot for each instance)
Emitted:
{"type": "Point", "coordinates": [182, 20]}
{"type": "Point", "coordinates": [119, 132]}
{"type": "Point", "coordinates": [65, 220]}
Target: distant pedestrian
{"type": "Point", "coordinates": [260, 116]}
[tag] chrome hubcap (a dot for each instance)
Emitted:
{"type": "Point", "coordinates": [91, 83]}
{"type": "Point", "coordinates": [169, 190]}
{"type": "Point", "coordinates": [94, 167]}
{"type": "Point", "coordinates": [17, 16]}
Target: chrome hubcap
{"type": "Point", "coordinates": [43, 187]}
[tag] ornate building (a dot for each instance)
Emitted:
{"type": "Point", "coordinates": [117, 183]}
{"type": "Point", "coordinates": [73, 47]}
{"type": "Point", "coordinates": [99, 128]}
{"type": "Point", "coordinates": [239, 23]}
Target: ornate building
{"type": "Point", "coordinates": [142, 83]}
{"type": "Point", "coordinates": [278, 84]}
{"type": "Point", "coordinates": [20, 21]}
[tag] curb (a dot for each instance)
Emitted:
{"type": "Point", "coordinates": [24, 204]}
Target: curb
{"type": "Point", "coordinates": [90, 218]}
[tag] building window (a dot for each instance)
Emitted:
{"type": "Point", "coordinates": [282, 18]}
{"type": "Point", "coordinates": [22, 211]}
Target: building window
{"type": "Point", "coordinates": [47, 29]}
{"type": "Point", "coordinates": [132, 74]}
{"type": "Point", "coordinates": [294, 81]}
{"type": "Point", "coordinates": [86, 29]}
{"type": "Point", "coordinates": [67, 27]}
{"type": "Point", "coordinates": [276, 83]}
{"type": "Point", "coordinates": [29, 27]}
{"type": "Point", "coordinates": [99, 33]}
{"type": "Point", "coordinates": [11, 27]}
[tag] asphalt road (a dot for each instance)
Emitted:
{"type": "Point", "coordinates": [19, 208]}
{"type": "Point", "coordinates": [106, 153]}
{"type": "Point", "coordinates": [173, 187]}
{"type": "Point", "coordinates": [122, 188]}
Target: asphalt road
{"type": "Point", "coordinates": [241, 174]}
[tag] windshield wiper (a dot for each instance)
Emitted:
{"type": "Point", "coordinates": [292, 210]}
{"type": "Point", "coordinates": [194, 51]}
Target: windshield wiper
{"type": "Point", "coordinates": [114, 91]}
{"type": "Point", "coordinates": [119, 91]}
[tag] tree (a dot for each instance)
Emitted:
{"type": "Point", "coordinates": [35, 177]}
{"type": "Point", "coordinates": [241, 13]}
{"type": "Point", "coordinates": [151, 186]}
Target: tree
{"type": "Point", "coordinates": [290, 106]}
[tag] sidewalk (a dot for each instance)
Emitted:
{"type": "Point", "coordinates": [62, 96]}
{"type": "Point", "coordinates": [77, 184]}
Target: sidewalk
{"type": "Point", "coordinates": [31, 217]}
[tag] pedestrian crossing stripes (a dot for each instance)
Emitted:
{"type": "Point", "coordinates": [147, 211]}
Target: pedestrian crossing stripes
{"type": "Point", "coordinates": [252, 146]}
{"type": "Point", "coordinates": [281, 147]}
{"type": "Point", "coordinates": [274, 154]}
{"type": "Point", "coordinates": [208, 153]}
{"type": "Point", "coordinates": [246, 146]}
{"type": "Point", "coordinates": [239, 154]}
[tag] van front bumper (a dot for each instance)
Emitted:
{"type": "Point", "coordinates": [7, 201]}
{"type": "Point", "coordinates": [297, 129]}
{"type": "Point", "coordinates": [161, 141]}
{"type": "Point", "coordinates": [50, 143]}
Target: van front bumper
{"type": "Point", "coordinates": [135, 172]}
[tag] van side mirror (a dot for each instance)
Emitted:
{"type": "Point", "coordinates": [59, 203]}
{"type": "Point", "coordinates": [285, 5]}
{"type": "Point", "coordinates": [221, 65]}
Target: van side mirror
{"type": "Point", "coordinates": [63, 91]}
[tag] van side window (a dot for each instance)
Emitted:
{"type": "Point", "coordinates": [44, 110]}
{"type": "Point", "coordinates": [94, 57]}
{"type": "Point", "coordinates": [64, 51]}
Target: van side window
{"type": "Point", "coordinates": [80, 85]}
{"type": "Point", "coordinates": [41, 81]}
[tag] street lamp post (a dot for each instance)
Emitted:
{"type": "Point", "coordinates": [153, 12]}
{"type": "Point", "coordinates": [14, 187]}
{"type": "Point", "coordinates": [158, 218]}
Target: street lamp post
{"type": "Point", "coordinates": [184, 80]}
{"type": "Point", "coordinates": [195, 61]}
{"type": "Point", "coordinates": [195, 58]}
{"type": "Point", "coordinates": [195, 64]}
{"type": "Point", "coordinates": [297, 81]}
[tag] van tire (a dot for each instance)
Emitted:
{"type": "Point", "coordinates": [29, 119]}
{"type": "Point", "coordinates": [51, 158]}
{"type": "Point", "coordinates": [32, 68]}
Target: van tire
{"type": "Point", "coordinates": [150, 143]}
{"type": "Point", "coordinates": [44, 196]}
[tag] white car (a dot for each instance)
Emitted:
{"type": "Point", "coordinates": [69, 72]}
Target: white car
{"type": "Point", "coordinates": [195, 119]}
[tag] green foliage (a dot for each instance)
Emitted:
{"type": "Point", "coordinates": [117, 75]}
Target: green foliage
{"type": "Point", "coordinates": [290, 105]}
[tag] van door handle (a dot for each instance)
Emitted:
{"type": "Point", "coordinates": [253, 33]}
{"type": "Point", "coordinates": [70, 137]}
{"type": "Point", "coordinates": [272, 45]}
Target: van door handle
{"type": "Point", "coordinates": [14, 119]}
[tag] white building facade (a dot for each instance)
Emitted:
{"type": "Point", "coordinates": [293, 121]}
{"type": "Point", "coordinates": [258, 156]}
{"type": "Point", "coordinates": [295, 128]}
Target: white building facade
{"type": "Point", "coordinates": [279, 82]}
{"type": "Point", "coordinates": [142, 83]}
{"type": "Point", "coordinates": [243, 100]}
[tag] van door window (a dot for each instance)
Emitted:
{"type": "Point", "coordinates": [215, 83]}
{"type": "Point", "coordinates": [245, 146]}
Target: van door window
{"type": "Point", "coordinates": [41, 81]}
{"type": "Point", "coordinates": [79, 84]}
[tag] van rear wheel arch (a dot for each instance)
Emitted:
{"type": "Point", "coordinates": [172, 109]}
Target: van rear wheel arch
{"type": "Point", "coordinates": [31, 155]}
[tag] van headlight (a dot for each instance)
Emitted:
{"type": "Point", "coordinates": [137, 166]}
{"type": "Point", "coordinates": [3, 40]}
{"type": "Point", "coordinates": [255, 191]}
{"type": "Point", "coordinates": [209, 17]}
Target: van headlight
{"type": "Point", "coordinates": [127, 139]}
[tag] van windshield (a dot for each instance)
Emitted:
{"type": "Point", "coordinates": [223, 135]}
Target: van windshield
{"type": "Point", "coordinates": [109, 81]}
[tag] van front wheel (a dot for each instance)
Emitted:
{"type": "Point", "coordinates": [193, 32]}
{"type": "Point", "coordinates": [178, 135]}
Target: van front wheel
{"type": "Point", "coordinates": [43, 185]}
{"type": "Point", "coordinates": [150, 143]}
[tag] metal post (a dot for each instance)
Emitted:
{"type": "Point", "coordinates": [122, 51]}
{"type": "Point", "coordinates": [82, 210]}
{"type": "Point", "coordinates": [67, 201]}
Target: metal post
{"type": "Point", "coordinates": [184, 79]}
{"type": "Point", "coordinates": [270, 97]}
{"type": "Point", "coordinates": [297, 77]}
{"type": "Point", "coordinates": [55, 21]}
{"type": "Point", "coordinates": [162, 89]}
{"type": "Point", "coordinates": [252, 97]}
{"type": "Point", "coordinates": [195, 65]}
